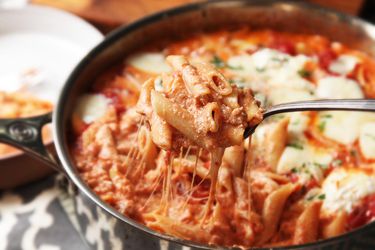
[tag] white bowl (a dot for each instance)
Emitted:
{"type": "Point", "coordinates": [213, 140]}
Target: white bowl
{"type": "Point", "coordinates": [44, 39]}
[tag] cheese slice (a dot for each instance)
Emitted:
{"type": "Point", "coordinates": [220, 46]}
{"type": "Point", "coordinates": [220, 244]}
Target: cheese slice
{"type": "Point", "coordinates": [344, 64]}
{"type": "Point", "coordinates": [298, 123]}
{"type": "Point", "coordinates": [306, 160]}
{"type": "Point", "coordinates": [91, 107]}
{"type": "Point", "coordinates": [284, 95]}
{"type": "Point", "coordinates": [274, 74]}
{"type": "Point", "coordinates": [343, 126]}
{"type": "Point", "coordinates": [345, 188]}
{"type": "Point", "coordinates": [367, 140]}
{"type": "Point", "coordinates": [149, 62]}
{"type": "Point", "coordinates": [333, 87]}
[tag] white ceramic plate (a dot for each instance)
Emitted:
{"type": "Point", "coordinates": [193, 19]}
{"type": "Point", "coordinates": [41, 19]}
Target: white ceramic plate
{"type": "Point", "coordinates": [45, 41]}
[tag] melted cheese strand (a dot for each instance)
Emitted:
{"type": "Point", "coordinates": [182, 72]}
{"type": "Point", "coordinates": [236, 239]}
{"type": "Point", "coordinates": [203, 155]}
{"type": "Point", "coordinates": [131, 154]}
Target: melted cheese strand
{"type": "Point", "coordinates": [216, 157]}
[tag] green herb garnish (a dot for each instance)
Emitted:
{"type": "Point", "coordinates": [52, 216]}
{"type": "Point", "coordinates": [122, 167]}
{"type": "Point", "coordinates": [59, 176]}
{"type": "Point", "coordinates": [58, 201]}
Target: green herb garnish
{"type": "Point", "coordinates": [323, 166]}
{"type": "Point", "coordinates": [326, 116]}
{"type": "Point", "coordinates": [322, 126]}
{"type": "Point", "coordinates": [311, 197]}
{"type": "Point", "coordinates": [260, 70]}
{"type": "Point", "coordinates": [234, 67]}
{"type": "Point", "coordinates": [218, 62]}
{"type": "Point", "coordinates": [322, 197]}
{"type": "Point", "coordinates": [304, 73]}
{"type": "Point", "coordinates": [295, 145]}
{"type": "Point", "coordinates": [280, 60]}
{"type": "Point", "coordinates": [294, 170]}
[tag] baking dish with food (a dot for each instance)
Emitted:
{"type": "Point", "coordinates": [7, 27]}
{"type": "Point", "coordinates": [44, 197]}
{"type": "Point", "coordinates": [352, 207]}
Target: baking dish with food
{"type": "Point", "coordinates": [31, 38]}
{"type": "Point", "coordinates": [110, 226]}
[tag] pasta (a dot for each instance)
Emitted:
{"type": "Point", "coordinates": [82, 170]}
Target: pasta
{"type": "Point", "coordinates": [168, 150]}
{"type": "Point", "coordinates": [20, 104]}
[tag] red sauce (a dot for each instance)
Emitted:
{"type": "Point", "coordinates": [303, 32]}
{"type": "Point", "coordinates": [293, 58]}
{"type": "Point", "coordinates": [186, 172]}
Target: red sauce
{"type": "Point", "coordinates": [326, 57]}
{"type": "Point", "coordinates": [362, 214]}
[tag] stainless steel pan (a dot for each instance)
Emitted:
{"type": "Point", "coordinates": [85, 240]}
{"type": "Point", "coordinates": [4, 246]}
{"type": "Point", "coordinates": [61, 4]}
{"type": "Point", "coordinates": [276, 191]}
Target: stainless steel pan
{"type": "Point", "coordinates": [94, 215]}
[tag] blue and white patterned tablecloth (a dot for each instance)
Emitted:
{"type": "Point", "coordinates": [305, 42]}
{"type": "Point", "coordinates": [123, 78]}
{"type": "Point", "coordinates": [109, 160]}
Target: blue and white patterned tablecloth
{"type": "Point", "coordinates": [40, 216]}
{"type": "Point", "coordinates": [35, 217]}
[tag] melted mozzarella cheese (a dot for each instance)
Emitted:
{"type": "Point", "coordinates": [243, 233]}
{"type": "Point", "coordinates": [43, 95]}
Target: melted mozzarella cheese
{"type": "Point", "coordinates": [367, 140]}
{"type": "Point", "coordinates": [242, 44]}
{"type": "Point", "coordinates": [338, 88]}
{"type": "Point", "coordinates": [282, 95]}
{"type": "Point", "coordinates": [306, 159]}
{"type": "Point", "coordinates": [149, 62]}
{"type": "Point", "coordinates": [343, 126]}
{"type": "Point", "coordinates": [91, 107]}
{"type": "Point", "coordinates": [275, 74]}
{"type": "Point", "coordinates": [344, 188]}
{"type": "Point", "coordinates": [298, 123]}
{"type": "Point", "coordinates": [344, 64]}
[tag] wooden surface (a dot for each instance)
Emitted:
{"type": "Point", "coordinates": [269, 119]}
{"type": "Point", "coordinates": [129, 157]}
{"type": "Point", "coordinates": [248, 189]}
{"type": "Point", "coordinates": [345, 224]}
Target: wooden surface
{"type": "Point", "coordinates": [107, 14]}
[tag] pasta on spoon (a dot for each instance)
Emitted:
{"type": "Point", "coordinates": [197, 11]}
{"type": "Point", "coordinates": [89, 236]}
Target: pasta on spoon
{"type": "Point", "coordinates": [198, 106]}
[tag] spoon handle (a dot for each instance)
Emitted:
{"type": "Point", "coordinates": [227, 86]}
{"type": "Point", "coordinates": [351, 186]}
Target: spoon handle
{"type": "Point", "coordinates": [319, 105]}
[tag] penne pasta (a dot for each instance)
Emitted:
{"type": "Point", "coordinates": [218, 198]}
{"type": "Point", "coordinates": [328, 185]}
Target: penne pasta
{"type": "Point", "coordinates": [147, 147]}
{"type": "Point", "coordinates": [161, 132]}
{"type": "Point", "coordinates": [336, 226]}
{"type": "Point", "coordinates": [194, 83]}
{"type": "Point", "coordinates": [177, 117]}
{"type": "Point", "coordinates": [234, 157]}
{"type": "Point", "coordinates": [211, 116]}
{"type": "Point", "coordinates": [273, 207]}
{"type": "Point", "coordinates": [307, 226]}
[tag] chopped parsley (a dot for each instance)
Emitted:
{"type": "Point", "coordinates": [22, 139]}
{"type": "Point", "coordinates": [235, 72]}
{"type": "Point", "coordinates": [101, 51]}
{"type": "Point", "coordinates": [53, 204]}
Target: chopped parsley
{"type": "Point", "coordinates": [311, 197]}
{"type": "Point", "coordinates": [323, 166]}
{"type": "Point", "coordinates": [235, 67]}
{"type": "Point", "coordinates": [295, 145]}
{"type": "Point", "coordinates": [218, 62]}
{"type": "Point", "coordinates": [294, 170]}
{"type": "Point", "coordinates": [304, 73]}
{"type": "Point", "coordinates": [322, 197]}
{"type": "Point", "coordinates": [280, 60]}
{"type": "Point", "coordinates": [326, 116]}
{"type": "Point", "coordinates": [322, 126]}
{"type": "Point", "coordinates": [260, 70]}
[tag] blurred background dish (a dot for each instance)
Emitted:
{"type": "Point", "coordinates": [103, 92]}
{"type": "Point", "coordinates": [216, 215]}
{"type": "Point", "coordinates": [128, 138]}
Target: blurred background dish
{"type": "Point", "coordinates": [39, 46]}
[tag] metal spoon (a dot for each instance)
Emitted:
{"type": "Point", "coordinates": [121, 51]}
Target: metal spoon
{"type": "Point", "coordinates": [318, 105]}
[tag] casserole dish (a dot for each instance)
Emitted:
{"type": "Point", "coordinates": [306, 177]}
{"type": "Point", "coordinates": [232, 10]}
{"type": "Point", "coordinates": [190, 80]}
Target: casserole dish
{"type": "Point", "coordinates": [93, 213]}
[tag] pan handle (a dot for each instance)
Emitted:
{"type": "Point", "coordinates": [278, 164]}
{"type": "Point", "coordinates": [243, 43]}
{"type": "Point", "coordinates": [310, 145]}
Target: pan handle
{"type": "Point", "coordinates": [26, 135]}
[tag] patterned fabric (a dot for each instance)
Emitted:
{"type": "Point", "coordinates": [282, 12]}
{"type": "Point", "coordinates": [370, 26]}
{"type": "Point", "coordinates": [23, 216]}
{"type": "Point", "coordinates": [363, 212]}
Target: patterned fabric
{"type": "Point", "coordinates": [32, 217]}
{"type": "Point", "coordinates": [43, 216]}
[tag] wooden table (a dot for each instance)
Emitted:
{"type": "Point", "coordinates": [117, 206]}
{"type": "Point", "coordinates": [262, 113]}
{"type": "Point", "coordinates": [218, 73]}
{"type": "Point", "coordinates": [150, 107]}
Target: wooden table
{"type": "Point", "coordinates": [108, 14]}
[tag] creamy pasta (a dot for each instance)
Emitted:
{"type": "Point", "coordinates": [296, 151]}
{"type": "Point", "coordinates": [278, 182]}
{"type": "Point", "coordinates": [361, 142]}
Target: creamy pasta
{"type": "Point", "coordinates": [303, 177]}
